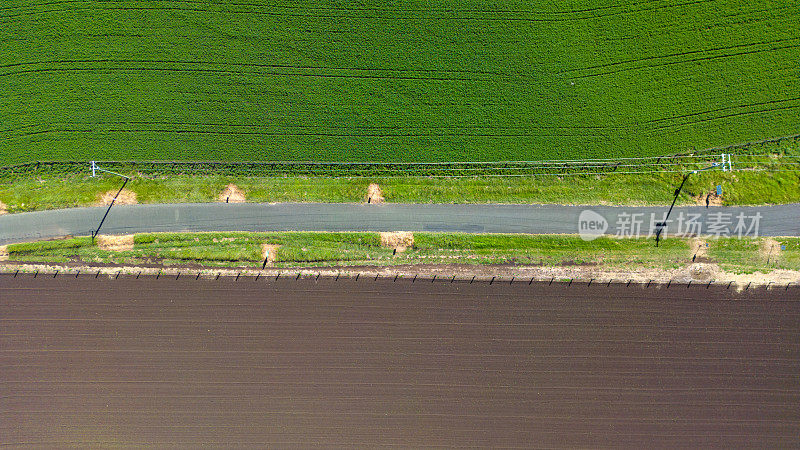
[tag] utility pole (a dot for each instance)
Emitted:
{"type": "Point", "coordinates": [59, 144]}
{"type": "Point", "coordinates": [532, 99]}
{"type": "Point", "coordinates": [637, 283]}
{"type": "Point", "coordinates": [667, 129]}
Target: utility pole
{"type": "Point", "coordinates": [725, 165]}
{"type": "Point", "coordinates": [95, 169]}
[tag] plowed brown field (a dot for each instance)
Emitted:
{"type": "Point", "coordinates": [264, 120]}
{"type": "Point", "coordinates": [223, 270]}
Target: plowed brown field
{"type": "Point", "coordinates": [379, 363]}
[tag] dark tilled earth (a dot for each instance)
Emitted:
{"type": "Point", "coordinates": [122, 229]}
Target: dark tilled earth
{"type": "Point", "coordinates": [184, 363]}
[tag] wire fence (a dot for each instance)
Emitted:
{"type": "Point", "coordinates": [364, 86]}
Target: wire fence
{"type": "Point", "coordinates": [368, 169]}
{"type": "Point", "coordinates": [115, 273]}
{"type": "Point", "coordinates": [740, 155]}
{"type": "Point", "coordinates": [619, 166]}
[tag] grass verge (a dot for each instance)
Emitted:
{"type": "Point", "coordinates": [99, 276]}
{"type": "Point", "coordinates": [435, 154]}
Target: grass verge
{"type": "Point", "coordinates": [777, 181]}
{"type": "Point", "coordinates": [756, 255]}
{"type": "Point", "coordinates": [307, 249]}
{"type": "Point", "coordinates": [44, 191]}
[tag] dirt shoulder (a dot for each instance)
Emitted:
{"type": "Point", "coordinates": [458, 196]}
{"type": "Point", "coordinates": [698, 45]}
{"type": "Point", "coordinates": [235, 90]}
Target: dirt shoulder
{"type": "Point", "coordinates": [699, 273]}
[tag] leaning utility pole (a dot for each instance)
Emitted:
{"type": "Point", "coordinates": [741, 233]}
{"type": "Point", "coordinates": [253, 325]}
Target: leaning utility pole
{"type": "Point", "coordinates": [725, 165]}
{"type": "Point", "coordinates": [95, 169]}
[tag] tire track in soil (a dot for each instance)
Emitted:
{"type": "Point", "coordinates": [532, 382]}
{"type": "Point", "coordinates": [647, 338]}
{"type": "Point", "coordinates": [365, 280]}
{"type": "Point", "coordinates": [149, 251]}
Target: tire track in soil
{"type": "Point", "coordinates": [672, 55]}
{"type": "Point", "coordinates": [693, 60]}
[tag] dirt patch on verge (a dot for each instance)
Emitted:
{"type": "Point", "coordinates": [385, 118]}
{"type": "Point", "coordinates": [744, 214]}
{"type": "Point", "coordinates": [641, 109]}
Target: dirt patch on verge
{"type": "Point", "coordinates": [115, 243]}
{"type": "Point", "coordinates": [268, 252]}
{"type": "Point", "coordinates": [712, 197]}
{"type": "Point", "coordinates": [3, 253]}
{"type": "Point", "coordinates": [398, 240]}
{"type": "Point", "coordinates": [374, 194]}
{"type": "Point", "coordinates": [770, 250]}
{"type": "Point", "coordinates": [702, 272]}
{"type": "Point", "coordinates": [232, 194]}
{"type": "Point", "coordinates": [126, 197]}
{"type": "Point", "coordinates": [3, 208]}
{"type": "Point", "coordinates": [699, 248]}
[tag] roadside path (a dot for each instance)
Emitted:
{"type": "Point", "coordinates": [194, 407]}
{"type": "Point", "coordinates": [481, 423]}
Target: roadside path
{"type": "Point", "coordinates": [780, 220]}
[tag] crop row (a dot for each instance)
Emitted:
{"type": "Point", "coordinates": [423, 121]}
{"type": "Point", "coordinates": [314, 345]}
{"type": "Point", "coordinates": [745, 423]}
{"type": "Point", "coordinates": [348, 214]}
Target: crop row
{"type": "Point", "coordinates": [339, 81]}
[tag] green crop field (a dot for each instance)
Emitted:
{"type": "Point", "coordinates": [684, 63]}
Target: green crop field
{"type": "Point", "coordinates": [438, 80]}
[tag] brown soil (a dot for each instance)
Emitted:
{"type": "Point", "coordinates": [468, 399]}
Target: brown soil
{"type": "Point", "coordinates": [3, 208]}
{"type": "Point", "coordinates": [115, 243]}
{"type": "Point", "coordinates": [232, 194]}
{"type": "Point", "coordinates": [126, 197]}
{"type": "Point", "coordinates": [713, 199]}
{"type": "Point", "coordinates": [399, 240]}
{"type": "Point", "coordinates": [374, 194]}
{"type": "Point", "coordinates": [272, 252]}
{"type": "Point", "coordinates": [372, 363]}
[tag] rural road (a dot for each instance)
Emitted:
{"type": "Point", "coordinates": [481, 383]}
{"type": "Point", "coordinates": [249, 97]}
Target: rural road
{"type": "Point", "coordinates": [781, 220]}
{"type": "Point", "coordinates": [99, 362]}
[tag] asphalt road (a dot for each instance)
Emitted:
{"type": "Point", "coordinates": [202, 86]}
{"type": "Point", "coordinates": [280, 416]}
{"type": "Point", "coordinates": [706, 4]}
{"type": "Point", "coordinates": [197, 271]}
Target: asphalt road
{"type": "Point", "coordinates": [363, 364]}
{"type": "Point", "coordinates": [779, 220]}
